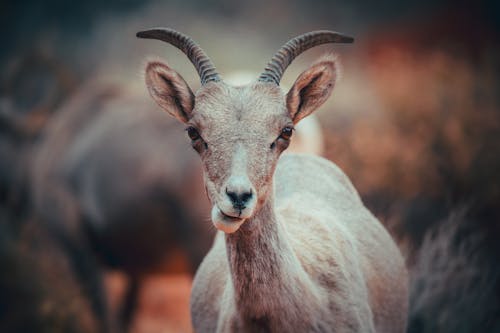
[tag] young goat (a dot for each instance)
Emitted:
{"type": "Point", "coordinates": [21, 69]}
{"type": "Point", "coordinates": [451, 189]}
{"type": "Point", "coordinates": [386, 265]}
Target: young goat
{"type": "Point", "coordinates": [299, 251]}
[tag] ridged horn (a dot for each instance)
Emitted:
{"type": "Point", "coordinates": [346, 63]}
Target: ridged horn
{"type": "Point", "coordinates": [193, 51]}
{"type": "Point", "coordinates": [294, 47]}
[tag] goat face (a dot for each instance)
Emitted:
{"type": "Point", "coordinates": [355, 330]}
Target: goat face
{"type": "Point", "coordinates": [239, 132]}
{"type": "Point", "coordinates": [239, 138]}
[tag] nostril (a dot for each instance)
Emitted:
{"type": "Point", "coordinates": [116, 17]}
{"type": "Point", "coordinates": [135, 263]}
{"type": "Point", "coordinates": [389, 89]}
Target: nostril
{"type": "Point", "coordinates": [239, 199]}
{"type": "Point", "coordinates": [244, 197]}
{"type": "Point", "coordinates": [232, 195]}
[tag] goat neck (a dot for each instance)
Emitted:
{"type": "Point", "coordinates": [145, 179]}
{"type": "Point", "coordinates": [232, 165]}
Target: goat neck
{"type": "Point", "coordinates": [268, 280]}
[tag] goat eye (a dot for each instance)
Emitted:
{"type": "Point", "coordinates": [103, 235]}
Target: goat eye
{"type": "Point", "coordinates": [286, 133]}
{"type": "Point", "coordinates": [193, 133]}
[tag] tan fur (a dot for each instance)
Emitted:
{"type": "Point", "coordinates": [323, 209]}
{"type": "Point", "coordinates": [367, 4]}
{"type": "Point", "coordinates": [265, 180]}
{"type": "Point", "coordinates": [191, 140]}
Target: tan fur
{"type": "Point", "coordinates": [169, 90]}
{"type": "Point", "coordinates": [304, 254]}
{"type": "Point", "coordinates": [308, 135]}
{"type": "Point", "coordinates": [323, 76]}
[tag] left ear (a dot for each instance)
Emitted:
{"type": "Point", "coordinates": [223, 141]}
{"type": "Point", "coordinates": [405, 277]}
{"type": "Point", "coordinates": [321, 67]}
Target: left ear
{"type": "Point", "coordinates": [169, 90]}
{"type": "Point", "coordinates": [312, 88]}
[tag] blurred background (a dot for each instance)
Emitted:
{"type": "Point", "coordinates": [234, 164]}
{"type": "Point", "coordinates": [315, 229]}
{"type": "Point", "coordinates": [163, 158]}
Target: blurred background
{"type": "Point", "coordinates": [103, 217]}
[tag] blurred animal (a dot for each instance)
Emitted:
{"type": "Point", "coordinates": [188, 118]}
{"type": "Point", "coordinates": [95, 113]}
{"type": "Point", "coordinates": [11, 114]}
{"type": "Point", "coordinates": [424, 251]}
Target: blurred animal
{"type": "Point", "coordinates": [43, 282]}
{"type": "Point", "coordinates": [31, 88]}
{"type": "Point", "coordinates": [453, 270]}
{"type": "Point", "coordinates": [300, 252]}
{"type": "Point", "coordinates": [40, 290]}
{"type": "Point", "coordinates": [112, 177]}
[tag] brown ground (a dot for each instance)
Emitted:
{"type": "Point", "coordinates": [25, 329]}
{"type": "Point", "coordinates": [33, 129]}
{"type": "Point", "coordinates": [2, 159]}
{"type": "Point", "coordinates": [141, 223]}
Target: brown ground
{"type": "Point", "coordinates": [163, 302]}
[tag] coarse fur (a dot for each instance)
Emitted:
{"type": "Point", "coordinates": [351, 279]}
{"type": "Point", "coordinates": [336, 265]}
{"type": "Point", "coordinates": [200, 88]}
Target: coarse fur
{"type": "Point", "coordinates": [299, 252]}
{"type": "Point", "coordinates": [301, 270]}
{"type": "Point", "coordinates": [308, 135]}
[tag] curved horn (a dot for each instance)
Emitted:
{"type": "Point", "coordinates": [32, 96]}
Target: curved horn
{"type": "Point", "coordinates": [196, 55]}
{"type": "Point", "coordinates": [294, 47]}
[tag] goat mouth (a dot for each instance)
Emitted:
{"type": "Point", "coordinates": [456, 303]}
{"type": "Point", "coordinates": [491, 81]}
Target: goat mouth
{"type": "Point", "coordinates": [224, 222]}
{"type": "Point", "coordinates": [229, 218]}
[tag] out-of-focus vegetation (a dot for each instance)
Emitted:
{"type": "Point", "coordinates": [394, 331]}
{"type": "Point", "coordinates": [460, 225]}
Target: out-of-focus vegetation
{"type": "Point", "coordinates": [85, 155]}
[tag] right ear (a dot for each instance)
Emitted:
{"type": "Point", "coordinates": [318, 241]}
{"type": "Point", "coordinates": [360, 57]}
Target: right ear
{"type": "Point", "coordinates": [169, 90]}
{"type": "Point", "coordinates": [312, 88]}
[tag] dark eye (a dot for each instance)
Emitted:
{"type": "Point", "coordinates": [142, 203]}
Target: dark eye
{"type": "Point", "coordinates": [193, 133]}
{"type": "Point", "coordinates": [286, 133]}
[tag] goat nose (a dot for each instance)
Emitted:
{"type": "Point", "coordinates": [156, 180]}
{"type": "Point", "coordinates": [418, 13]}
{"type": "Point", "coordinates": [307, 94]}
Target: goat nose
{"type": "Point", "coordinates": [239, 199]}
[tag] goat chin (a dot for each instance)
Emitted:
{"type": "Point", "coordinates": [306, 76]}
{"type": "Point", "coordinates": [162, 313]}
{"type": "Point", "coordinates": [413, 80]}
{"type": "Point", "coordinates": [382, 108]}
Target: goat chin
{"type": "Point", "coordinates": [225, 223]}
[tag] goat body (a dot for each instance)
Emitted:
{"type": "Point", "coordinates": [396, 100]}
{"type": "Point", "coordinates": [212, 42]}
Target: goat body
{"type": "Point", "coordinates": [300, 251]}
{"type": "Point", "coordinates": [316, 261]}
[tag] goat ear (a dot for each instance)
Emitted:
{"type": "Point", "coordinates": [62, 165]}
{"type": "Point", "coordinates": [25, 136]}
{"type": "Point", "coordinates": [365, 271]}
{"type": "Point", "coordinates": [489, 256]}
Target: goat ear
{"type": "Point", "coordinates": [312, 88]}
{"type": "Point", "coordinates": [169, 90]}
